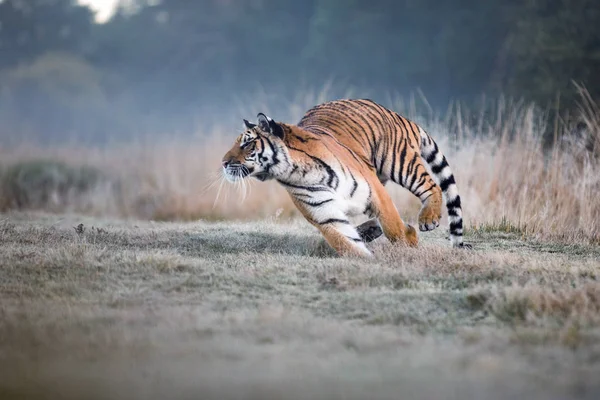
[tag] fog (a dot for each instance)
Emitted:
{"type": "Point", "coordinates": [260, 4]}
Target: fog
{"type": "Point", "coordinates": [181, 66]}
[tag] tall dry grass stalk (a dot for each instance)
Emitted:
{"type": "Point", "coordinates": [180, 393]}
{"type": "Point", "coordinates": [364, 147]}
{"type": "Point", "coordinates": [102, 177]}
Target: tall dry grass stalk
{"type": "Point", "coordinates": [506, 177]}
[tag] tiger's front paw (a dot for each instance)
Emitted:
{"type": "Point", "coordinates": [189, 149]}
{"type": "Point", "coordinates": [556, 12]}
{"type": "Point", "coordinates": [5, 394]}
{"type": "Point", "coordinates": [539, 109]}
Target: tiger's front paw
{"type": "Point", "coordinates": [411, 236]}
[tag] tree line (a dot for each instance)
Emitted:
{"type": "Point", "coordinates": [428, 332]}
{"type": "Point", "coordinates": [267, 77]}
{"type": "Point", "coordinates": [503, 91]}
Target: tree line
{"type": "Point", "coordinates": [162, 61]}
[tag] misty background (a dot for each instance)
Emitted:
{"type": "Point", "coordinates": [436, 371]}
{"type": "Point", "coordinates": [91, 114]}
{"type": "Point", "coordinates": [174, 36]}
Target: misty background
{"type": "Point", "coordinates": [180, 66]}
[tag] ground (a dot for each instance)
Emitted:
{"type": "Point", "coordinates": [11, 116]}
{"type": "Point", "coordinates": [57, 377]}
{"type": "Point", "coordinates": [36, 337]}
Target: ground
{"type": "Point", "coordinates": [100, 309]}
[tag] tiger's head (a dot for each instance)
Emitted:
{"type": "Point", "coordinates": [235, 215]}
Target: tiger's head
{"type": "Point", "coordinates": [259, 152]}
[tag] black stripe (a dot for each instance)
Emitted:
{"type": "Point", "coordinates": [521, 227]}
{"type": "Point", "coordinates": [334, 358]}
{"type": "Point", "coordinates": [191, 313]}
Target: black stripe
{"type": "Point", "coordinates": [304, 140]}
{"type": "Point", "coordinates": [402, 160]}
{"type": "Point", "coordinates": [271, 145]}
{"type": "Point", "coordinates": [375, 110]}
{"type": "Point", "coordinates": [414, 177]}
{"type": "Point", "coordinates": [394, 145]}
{"type": "Point", "coordinates": [397, 146]}
{"type": "Point", "coordinates": [452, 212]}
{"type": "Point", "coordinates": [433, 154]}
{"type": "Point", "coordinates": [315, 203]}
{"type": "Point", "coordinates": [436, 169]}
{"type": "Point", "coordinates": [455, 225]}
{"type": "Point", "coordinates": [406, 123]}
{"type": "Point", "coordinates": [333, 220]}
{"type": "Point", "coordinates": [263, 147]}
{"type": "Point", "coordinates": [373, 113]}
{"type": "Point", "coordinates": [403, 121]}
{"type": "Point", "coordinates": [454, 203]}
{"type": "Point", "coordinates": [339, 163]}
{"type": "Point", "coordinates": [358, 240]}
{"type": "Point", "coordinates": [414, 128]}
{"type": "Point", "coordinates": [447, 182]}
{"type": "Point", "coordinates": [332, 176]}
{"type": "Point", "coordinates": [355, 184]}
{"type": "Point", "coordinates": [409, 170]}
{"type": "Point", "coordinates": [423, 200]}
{"type": "Point", "coordinates": [275, 158]}
{"type": "Point", "coordinates": [260, 156]}
{"type": "Point", "coordinates": [421, 183]}
{"type": "Point", "coordinates": [419, 194]}
{"type": "Point", "coordinates": [309, 188]}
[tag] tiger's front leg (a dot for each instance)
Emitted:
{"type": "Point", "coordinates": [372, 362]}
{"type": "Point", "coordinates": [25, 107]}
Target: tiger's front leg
{"type": "Point", "coordinates": [335, 227]}
{"type": "Point", "coordinates": [344, 238]}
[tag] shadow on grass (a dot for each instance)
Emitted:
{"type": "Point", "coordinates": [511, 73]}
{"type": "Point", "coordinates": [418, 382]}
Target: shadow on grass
{"type": "Point", "coordinates": [211, 244]}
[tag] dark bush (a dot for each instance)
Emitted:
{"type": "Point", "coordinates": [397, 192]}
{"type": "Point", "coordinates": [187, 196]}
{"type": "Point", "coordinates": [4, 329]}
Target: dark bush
{"type": "Point", "coordinates": [45, 184]}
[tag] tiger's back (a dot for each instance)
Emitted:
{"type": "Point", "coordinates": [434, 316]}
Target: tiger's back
{"type": "Point", "coordinates": [367, 129]}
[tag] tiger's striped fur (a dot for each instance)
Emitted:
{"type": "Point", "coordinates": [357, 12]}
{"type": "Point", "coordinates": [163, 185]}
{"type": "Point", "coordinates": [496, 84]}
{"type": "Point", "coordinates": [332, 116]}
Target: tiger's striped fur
{"type": "Point", "coordinates": [335, 162]}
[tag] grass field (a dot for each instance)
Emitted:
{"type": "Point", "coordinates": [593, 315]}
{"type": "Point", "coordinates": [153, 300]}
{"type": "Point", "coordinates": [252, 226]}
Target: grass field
{"type": "Point", "coordinates": [130, 271]}
{"type": "Point", "coordinates": [257, 310]}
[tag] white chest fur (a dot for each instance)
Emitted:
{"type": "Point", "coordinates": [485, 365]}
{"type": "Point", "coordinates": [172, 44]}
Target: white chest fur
{"type": "Point", "coordinates": [328, 195]}
{"type": "Point", "coordinates": [352, 196]}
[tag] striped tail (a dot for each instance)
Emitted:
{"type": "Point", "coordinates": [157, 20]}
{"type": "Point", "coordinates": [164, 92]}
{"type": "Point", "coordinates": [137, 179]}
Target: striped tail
{"type": "Point", "coordinates": [444, 177]}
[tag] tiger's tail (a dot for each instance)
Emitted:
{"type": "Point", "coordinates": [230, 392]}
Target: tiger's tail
{"type": "Point", "coordinates": [445, 178]}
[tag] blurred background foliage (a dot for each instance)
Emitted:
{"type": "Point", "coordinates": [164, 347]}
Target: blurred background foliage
{"type": "Point", "coordinates": [175, 65]}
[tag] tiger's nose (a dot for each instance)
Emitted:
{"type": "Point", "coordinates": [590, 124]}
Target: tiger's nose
{"type": "Point", "coordinates": [225, 164]}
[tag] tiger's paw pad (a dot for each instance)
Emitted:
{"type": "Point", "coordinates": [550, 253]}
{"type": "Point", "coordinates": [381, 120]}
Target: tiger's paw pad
{"type": "Point", "coordinates": [369, 233]}
{"type": "Point", "coordinates": [428, 226]}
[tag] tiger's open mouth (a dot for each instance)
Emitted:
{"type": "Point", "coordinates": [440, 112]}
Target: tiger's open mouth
{"type": "Point", "coordinates": [261, 176]}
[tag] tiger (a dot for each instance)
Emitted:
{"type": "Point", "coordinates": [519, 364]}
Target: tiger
{"type": "Point", "coordinates": [335, 164]}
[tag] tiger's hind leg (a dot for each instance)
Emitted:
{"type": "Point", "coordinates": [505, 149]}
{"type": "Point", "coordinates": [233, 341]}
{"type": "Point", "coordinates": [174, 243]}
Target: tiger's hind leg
{"type": "Point", "coordinates": [431, 210]}
{"type": "Point", "coordinates": [391, 223]}
{"type": "Point", "coordinates": [422, 185]}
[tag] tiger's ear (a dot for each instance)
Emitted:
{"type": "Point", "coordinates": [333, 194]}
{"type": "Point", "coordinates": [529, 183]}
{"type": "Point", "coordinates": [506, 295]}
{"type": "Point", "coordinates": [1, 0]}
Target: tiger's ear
{"type": "Point", "coordinates": [248, 125]}
{"type": "Point", "coordinates": [267, 125]}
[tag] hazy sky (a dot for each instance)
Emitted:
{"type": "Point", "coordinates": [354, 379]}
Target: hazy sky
{"type": "Point", "coordinates": [103, 8]}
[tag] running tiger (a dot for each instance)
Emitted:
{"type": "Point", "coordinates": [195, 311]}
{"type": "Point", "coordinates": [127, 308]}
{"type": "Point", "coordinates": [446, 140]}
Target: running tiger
{"type": "Point", "coordinates": [335, 163]}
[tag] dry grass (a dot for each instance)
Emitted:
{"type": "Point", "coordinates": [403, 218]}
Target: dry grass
{"type": "Point", "coordinates": [96, 308]}
{"type": "Point", "coordinates": [507, 180]}
{"type": "Point", "coordinates": [115, 305]}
